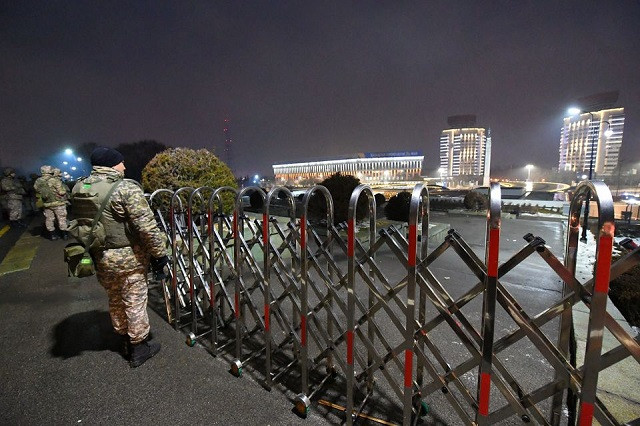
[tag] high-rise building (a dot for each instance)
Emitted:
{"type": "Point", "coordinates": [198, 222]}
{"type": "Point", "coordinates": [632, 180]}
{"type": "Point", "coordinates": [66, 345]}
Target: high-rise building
{"type": "Point", "coordinates": [465, 152]}
{"type": "Point", "coordinates": [592, 138]}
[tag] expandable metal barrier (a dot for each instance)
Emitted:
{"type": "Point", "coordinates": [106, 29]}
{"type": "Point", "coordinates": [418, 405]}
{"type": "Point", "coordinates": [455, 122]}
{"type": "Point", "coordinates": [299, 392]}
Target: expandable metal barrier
{"type": "Point", "coordinates": [295, 304]}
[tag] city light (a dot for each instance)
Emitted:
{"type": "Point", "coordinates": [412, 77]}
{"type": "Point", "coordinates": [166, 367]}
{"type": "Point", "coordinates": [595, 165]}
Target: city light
{"type": "Point", "coordinates": [68, 151]}
{"type": "Point", "coordinates": [529, 167]}
{"type": "Point", "coordinates": [574, 111]}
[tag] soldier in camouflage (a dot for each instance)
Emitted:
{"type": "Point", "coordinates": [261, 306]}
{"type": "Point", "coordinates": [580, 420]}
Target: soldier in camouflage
{"type": "Point", "coordinates": [131, 236]}
{"type": "Point", "coordinates": [54, 195]}
{"type": "Point", "coordinates": [13, 192]}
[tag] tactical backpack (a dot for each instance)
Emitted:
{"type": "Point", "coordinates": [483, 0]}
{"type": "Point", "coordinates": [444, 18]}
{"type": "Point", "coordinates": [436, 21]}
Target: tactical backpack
{"type": "Point", "coordinates": [46, 192]}
{"type": "Point", "coordinates": [89, 232]}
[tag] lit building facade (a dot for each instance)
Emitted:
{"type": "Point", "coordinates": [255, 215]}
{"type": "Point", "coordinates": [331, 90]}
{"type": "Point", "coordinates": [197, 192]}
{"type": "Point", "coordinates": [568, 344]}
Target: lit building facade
{"type": "Point", "coordinates": [465, 152]}
{"type": "Point", "coordinates": [369, 167]}
{"type": "Point", "coordinates": [592, 138]}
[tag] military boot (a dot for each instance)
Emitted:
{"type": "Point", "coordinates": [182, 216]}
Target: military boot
{"type": "Point", "coordinates": [52, 235]}
{"type": "Point", "coordinates": [65, 235]}
{"type": "Point", "coordinates": [140, 352]}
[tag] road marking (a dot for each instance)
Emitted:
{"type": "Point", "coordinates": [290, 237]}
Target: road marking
{"type": "Point", "coordinates": [4, 230]}
{"type": "Point", "coordinates": [21, 254]}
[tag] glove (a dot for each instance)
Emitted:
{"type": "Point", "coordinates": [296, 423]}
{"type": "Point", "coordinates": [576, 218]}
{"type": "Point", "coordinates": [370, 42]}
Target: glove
{"type": "Point", "coordinates": [157, 265]}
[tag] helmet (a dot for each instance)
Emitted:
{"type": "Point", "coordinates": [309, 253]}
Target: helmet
{"type": "Point", "coordinates": [8, 171]}
{"type": "Point", "coordinates": [56, 171]}
{"type": "Point", "coordinates": [46, 170]}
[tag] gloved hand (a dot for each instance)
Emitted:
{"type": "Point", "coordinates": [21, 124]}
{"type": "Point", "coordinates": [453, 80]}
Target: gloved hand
{"type": "Point", "coordinates": [157, 265]}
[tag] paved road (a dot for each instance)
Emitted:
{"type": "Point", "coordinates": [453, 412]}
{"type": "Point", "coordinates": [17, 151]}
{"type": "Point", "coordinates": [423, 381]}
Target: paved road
{"type": "Point", "coordinates": [60, 363]}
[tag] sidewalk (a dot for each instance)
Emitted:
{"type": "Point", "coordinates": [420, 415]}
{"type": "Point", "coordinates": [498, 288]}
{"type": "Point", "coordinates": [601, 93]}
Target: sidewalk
{"type": "Point", "coordinates": [60, 363]}
{"type": "Point", "coordinates": [615, 383]}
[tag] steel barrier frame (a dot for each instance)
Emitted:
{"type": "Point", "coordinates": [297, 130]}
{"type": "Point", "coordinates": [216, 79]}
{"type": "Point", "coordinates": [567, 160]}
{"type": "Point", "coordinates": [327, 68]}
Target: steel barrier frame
{"type": "Point", "coordinates": [419, 282]}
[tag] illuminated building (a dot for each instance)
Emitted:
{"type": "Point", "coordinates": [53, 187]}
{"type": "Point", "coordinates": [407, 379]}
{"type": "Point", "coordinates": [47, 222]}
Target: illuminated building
{"type": "Point", "coordinates": [465, 152]}
{"type": "Point", "coordinates": [370, 167]}
{"type": "Point", "coordinates": [592, 138]}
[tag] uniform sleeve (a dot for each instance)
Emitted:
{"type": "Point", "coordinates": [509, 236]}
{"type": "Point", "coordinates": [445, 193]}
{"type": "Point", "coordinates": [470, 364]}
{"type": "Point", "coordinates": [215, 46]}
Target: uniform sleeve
{"type": "Point", "coordinates": [7, 185]}
{"type": "Point", "coordinates": [140, 217]}
{"type": "Point", "coordinates": [59, 188]}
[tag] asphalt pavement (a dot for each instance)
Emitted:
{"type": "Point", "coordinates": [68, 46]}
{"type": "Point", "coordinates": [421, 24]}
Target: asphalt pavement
{"type": "Point", "coordinates": [60, 362]}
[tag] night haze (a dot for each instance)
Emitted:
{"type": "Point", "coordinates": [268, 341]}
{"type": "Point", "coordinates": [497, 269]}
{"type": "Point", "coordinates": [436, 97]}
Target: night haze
{"type": "Point", "coordinates": [310, 80]}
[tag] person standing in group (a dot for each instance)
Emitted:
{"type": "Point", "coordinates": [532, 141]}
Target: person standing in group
{"type": "Point", "coordinates": [122, 262]}
{"type": "Point", "coordinates": [31, 194]}
{"type": "Point", "coordinates": [54, 195]}
{"type": "Point", "coordinates": [13, 192]}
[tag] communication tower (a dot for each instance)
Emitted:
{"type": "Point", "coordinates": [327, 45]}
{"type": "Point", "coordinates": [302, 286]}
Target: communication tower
{"type": "Point", "coordinates": [228, 154]}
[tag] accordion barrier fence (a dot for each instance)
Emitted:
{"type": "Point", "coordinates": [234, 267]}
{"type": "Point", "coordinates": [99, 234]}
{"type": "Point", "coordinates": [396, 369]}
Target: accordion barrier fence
{"type": "Point", "coordinates": [305, 302]}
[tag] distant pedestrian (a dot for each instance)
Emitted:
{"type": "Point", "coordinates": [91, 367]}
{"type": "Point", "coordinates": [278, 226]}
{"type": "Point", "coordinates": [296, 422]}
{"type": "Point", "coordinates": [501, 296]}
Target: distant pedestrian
{"type": "Point", "coordinates": [131, 236]}
{"type": "Point", "coordinates": [13, 192]}
{"type": "Point", "coordinates": [54, 195]}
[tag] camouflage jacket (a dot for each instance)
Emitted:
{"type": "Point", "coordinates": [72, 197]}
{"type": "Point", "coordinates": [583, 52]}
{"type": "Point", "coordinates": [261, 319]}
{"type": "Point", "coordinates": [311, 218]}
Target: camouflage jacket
{"type": "Point", "coordinates": [52, 191]}
{"type": "Point", "coordinates": [11, 188]}
{"type": "Point", "coordinates": [128, 203]}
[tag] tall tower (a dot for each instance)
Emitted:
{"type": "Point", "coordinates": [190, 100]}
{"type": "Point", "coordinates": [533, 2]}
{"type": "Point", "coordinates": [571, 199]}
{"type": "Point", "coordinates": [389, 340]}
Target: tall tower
{"type": "Point", "coordinates": [465, 151]}
{"type": "Point", "coordinates": [590, 141]}
{"type": "Point", "coordinates": [228, 154]}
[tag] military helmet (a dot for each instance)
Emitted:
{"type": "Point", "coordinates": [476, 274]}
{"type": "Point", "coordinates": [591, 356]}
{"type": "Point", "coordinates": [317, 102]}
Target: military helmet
{"type": "Point", "coordinates": [8, 171]}
{"type": "Point", "coordinates": [46, 170]}
{"type": "Point", "coordinates": [57, 171]}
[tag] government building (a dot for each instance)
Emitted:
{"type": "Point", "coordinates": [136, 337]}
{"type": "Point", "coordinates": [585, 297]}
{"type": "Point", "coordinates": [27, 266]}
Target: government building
{"type": "Point", "coordinates": [369, 167]}
{"type": "Point", "coordinates": [591, 138]}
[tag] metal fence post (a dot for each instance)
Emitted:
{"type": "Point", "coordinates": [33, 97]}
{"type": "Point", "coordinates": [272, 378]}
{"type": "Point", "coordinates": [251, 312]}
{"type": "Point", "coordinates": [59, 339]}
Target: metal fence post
{"type": "Point", "coordinates": [492, 251]}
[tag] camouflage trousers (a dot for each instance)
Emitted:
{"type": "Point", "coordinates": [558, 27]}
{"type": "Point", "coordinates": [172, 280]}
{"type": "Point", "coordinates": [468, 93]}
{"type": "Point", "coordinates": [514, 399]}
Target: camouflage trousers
{"type": "Point", "coordinates": [15, 209]}
{"type": "Point", "coordinates": [127, 292]}
{"type": "Point", "coordinates": [53, 213]}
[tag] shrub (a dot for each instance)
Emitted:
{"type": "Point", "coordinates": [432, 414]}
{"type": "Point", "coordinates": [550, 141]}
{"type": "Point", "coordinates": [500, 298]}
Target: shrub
{"type": "Point", "coordinates": [445, 203]}
{"type": "Point", "coordinates": [179, 167]}
{"type": "Point", "coordinates": [340, 187]}
{"type": "Point", "coordinates": [398, 207]}
{"type": "Point", "coordinates": [380, 199]}
{"type": "Point", "coordinates": [476, 201]}
{"type": "Point", "coordinates": [255, 200]}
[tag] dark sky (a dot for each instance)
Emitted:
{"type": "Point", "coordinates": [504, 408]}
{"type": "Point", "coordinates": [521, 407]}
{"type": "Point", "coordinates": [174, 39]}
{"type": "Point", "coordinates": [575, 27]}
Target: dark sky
{"type": "Point", "coordinates": [309, 79]}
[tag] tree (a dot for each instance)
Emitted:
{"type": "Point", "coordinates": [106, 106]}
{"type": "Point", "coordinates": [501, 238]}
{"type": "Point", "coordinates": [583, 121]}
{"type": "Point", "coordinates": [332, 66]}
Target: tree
{"type": "Point", "coordinates": [179, 167]}
{"type": "Point", "coordinates": [137, 155]}
{"type": "Point", "coordinates": [380, 200]}
{"type": "Point", "coordinates": [340, 187]}
{"type": "Point", "coordinates": [397, 207]}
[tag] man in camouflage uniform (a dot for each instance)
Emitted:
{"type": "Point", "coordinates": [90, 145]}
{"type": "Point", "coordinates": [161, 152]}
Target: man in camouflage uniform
{"type": "Point", "coordinates": [54, 195]}
{"type": "Point", "coordinates": [13, 191]}
{"type": "Point", "coordinates": [131, 236]}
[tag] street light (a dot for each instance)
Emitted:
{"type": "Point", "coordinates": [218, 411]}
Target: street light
{"type": "Point", "coordinates": [441, 172]}
{"type": "Point", "coordinates": [528, 184]}
{"type": "Point", "coordinates": [529, 167]}
{"type": "Point", "coordinates": [576, 111]}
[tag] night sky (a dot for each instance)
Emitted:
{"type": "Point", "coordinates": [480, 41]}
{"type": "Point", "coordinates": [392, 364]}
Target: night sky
{"type": "Point", "coordinates": [305, 80]}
